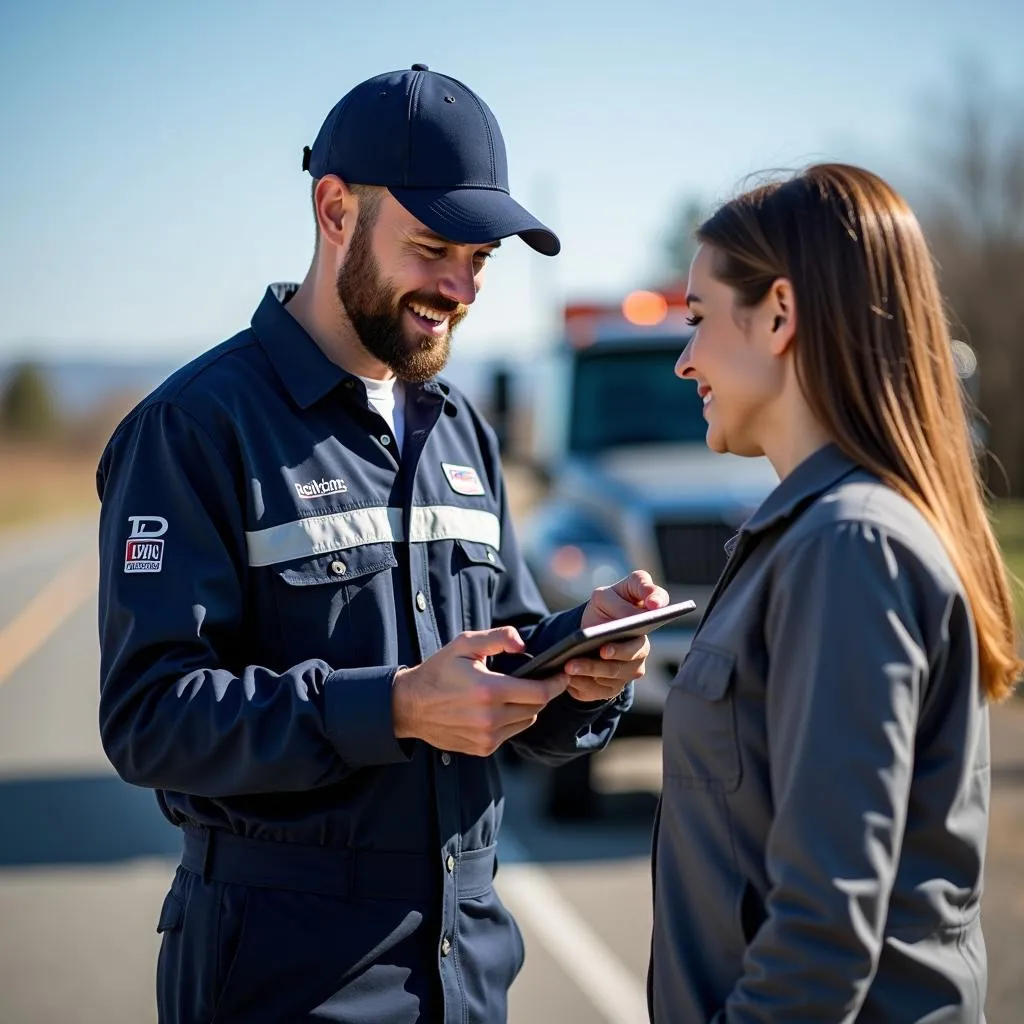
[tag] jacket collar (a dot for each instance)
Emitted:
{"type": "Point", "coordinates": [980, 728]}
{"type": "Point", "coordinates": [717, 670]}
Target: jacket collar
{"type": "Point", "coordinates": [809, 480]}
{"type": "Point", "coordinates": [305, 371]}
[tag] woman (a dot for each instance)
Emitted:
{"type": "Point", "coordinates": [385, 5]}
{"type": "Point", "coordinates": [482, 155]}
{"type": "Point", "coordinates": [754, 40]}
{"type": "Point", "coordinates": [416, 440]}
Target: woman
{"type": "Point", "coordinates": [819, 847]}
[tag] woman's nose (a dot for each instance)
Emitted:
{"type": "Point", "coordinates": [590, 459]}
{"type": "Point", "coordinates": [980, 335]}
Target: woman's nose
{"type": "Point", "coordinates": [683, 367]}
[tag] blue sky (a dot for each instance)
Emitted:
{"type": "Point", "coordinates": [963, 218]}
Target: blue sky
{"type": "Point", "coordinates": [150, 181]}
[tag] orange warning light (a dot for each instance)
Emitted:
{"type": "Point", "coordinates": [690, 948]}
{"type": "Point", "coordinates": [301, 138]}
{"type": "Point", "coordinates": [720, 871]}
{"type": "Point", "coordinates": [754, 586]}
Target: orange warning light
{"type": "Point", "coordinates": [645, 309]}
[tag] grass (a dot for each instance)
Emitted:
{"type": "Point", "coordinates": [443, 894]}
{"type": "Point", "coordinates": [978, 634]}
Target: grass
{"type": "Point", "coordinates": [1008, 517]}
{"type": "Point", "coordinates": [39, 484]}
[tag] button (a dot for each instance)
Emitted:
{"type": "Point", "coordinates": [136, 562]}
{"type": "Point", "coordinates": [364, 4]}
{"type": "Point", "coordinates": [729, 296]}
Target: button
{"type": "Point", "coordinates": [450, 863]}
{"type": "Point", "coordinates": [420, 67]}
{"type": "Point", "coordinates": [490, 555]}
{"type": "Point", "coordinates": [421, 601]}
{"type": "Point", "coordinates": [350, 384]}
{"type": "Point", "coordinates": [446, 946]}
{"type": "Point", "coordinates": [339, 568]}
{"type": "Point", "coordinates": [385, 439]}
{"type": "Point", "coordinates": [446, 758]}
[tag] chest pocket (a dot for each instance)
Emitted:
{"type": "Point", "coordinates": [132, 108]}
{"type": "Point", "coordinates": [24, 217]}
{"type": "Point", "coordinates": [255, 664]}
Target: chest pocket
{"type": "Point", "coordinates": [477, 568]}
{"type": "Point", "coordinates": [337, 606]}
{"type": "Point", "coordinates": [701, 744]}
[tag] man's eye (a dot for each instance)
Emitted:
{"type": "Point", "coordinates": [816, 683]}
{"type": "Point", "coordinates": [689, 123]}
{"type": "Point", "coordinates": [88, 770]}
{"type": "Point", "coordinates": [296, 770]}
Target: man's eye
{"type": "Point", "coordinates": [435, 252]}
{"type": "Point", "coordinates": [693, 320]}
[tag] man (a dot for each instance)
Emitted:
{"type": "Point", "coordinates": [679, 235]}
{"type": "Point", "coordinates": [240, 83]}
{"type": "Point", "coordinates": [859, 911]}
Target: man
{"type": "Point", "coordinates": [307, 562]}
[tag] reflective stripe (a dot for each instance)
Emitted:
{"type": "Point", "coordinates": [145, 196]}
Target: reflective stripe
{"type": "Point", "coordinates": [318, 535]}
{"type": "Point", "coordinates": [449, 522]}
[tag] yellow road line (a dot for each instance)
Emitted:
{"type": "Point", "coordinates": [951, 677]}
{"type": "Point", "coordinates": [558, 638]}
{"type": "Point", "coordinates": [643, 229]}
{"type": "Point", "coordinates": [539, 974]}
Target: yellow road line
{"type": "Point", "coordinates": [41, 617]}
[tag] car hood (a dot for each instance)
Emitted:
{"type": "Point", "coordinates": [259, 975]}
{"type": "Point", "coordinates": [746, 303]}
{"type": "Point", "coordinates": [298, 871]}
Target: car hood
{"type": "Point", "coordinates": [674, 476]}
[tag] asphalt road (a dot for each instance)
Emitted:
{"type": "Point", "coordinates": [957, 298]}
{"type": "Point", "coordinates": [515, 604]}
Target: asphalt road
{"type": "Point", "coordinates": [85, 859]}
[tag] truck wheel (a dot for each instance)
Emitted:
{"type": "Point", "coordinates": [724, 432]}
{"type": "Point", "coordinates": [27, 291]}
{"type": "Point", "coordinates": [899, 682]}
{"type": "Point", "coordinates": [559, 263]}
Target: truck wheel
{"type": "Point", "coordinates": [569, 791]}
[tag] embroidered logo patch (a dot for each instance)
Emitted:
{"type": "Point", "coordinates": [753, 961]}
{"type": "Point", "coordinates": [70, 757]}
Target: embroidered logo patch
{"type": "Point", "coordinates": [463, 479]}
{"type": "Point", "coordinates": [320, 488]}
{"type": "Point", "coordinates": [144, 551]}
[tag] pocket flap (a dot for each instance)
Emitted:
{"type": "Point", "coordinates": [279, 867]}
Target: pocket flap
{"type": "Point", "coordinates": [339, 566]}
{"type": "Point", "coordinates": [171, 913]}
{"type": "Point", "coordinates": [706, 672]}
{"type": "Point", "coordinates": [476, 553]}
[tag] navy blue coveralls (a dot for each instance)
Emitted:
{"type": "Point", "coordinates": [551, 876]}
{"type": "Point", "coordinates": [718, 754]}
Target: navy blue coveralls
{"type": "Point", "coordinates": [268, 560]}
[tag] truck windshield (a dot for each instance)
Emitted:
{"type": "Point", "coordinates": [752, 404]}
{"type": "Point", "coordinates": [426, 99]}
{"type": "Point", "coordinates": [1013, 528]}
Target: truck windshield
{"type": "Point", "coordinates": [632, 397]}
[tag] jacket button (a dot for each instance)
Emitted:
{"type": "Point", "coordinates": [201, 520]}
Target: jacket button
{"type": "Point", "coordinates": [338, 568]}
{"type": "Point", "coordinates": [446, 946]}
{"type": "Point", "coordinates": [421, 601]}
{"type": "Point", "coordinates": [490, 556]}
{"type": "Point", "coordinates": [446, 758]}
{"type": "Point", "coordinates": [450, 863]}
{"type": "Point", "coordinates": [385, 439]}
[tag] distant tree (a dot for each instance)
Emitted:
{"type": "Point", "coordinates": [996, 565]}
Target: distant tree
{"type": "Point", "coordinates": [27, 407]}
{"type": "Point", "coordinates": [679, 242]}
{"type": "Point", "coordinates": [974, 217]}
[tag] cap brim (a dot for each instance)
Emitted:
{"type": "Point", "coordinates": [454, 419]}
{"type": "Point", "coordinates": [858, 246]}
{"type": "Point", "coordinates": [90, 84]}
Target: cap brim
{"type": "Point", "coordinates": [475, 216]}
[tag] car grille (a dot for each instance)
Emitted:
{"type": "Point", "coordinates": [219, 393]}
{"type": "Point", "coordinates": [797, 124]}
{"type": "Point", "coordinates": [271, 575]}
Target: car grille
{"type": "Point", "coordinates": [692, 554]}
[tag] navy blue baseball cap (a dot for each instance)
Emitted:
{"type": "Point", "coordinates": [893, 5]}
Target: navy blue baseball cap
{"type": "Point", "coordinates": [436, 146]}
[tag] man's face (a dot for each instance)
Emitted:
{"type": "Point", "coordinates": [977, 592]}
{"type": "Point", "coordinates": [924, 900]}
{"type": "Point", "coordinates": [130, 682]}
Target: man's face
{"type": "Point", "coordinates": [405, 289]}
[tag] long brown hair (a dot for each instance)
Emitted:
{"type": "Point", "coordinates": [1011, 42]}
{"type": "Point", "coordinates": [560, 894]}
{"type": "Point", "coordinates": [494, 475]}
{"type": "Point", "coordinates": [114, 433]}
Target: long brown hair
{"type": "Point", "coordinates": [875, 361]}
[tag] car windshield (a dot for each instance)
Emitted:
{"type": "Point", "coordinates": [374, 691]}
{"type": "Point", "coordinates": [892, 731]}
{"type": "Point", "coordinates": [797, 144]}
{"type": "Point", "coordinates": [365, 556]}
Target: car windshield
{"type": "Point", "coordinates": [625, 397]}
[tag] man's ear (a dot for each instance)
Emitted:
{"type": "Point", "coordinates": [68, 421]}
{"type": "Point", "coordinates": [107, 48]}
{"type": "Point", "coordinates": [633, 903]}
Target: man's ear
{"type": "Point", "coordinates": [780, 309]}
{"type": "Point", "coordinates": [335, 209]}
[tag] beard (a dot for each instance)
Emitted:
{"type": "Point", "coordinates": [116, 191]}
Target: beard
{"type": "Point", "coordinates": [379, 320]}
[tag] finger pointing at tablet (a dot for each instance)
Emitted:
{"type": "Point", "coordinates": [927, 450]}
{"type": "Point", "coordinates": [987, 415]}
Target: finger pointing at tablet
{"type": "Point", "coordinates": [633, 593]}
{"type": "Point", "coordinates": [454, 702]}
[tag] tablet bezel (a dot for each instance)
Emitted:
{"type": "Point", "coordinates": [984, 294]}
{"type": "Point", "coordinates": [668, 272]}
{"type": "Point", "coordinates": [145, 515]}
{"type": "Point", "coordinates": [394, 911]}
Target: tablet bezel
{"type": "Point", "coordinates": [585, 641]}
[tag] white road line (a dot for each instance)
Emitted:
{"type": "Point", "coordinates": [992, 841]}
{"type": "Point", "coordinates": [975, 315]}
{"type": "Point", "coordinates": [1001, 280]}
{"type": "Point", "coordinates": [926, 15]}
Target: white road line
{"type": "Point", "coordinates": [44, 613]}
{"type": "Point", "coordinates": [617, 995]}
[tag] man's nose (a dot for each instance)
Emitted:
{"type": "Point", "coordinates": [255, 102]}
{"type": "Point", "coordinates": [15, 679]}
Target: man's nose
{"type": "Point", "coordinates": [458, 284]}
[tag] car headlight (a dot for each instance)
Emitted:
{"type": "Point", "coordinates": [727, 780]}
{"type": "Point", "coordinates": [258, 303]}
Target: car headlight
{"type": "Point", "coordinates": [577, 569]}
{"type": "Point", "coordinates": [571, 553]}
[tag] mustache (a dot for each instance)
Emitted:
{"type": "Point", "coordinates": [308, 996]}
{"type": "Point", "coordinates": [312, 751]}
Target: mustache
{"type": "Point", "coordinates": [434, 301]}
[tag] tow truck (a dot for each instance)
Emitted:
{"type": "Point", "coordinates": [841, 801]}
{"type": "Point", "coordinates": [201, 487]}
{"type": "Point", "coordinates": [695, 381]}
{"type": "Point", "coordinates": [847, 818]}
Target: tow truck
{"type": "Point", "coordinates": [630, 483]}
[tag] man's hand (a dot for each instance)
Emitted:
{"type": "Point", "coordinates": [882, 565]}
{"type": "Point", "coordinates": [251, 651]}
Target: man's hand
{"type": "Point", "coordinates": [454, 702]}
{"type": "Point", "coordinates": [620, 663]}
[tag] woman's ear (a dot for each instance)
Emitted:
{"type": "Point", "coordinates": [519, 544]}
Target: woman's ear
{"type": "Point", "coordinates": [781, 309]}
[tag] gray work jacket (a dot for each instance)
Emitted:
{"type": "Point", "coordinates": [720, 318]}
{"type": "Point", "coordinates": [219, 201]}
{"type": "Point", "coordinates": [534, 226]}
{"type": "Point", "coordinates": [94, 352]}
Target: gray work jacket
{"type": "Point", "coordinates": [821, 834]}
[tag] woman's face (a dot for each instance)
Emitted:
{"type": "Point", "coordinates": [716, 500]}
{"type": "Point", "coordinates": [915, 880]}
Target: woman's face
{"type": "Point", "coordinates": [735, 359]}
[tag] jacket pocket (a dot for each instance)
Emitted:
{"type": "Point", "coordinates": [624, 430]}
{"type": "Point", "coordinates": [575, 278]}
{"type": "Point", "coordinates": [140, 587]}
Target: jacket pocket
{"type": "Point", "coordinates": [172, 913]}
{"type": "Point", "coordinates": [334, 604]}
{"type": "Point", "coordinates": [478, 568]}
{"type": "Point", "coordinates": [704, 753]}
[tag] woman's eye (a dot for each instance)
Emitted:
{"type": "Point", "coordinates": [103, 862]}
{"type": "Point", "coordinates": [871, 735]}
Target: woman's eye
{"type": "Point", "coordinates": [693, 320]}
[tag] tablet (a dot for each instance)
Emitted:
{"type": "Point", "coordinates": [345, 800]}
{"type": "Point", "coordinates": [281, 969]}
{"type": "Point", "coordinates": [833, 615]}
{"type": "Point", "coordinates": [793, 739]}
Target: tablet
{"type": "Point", "coordinates": [587, 640]}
